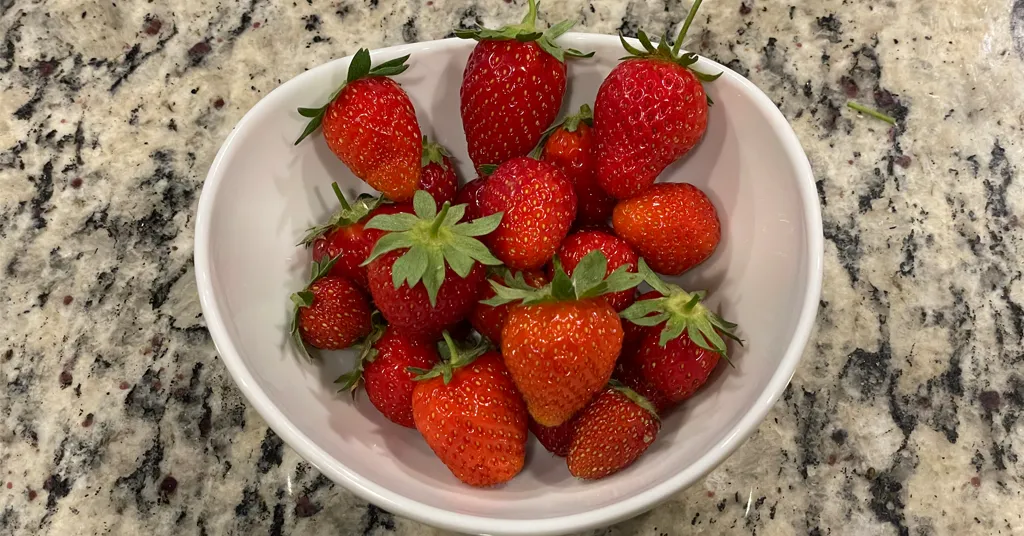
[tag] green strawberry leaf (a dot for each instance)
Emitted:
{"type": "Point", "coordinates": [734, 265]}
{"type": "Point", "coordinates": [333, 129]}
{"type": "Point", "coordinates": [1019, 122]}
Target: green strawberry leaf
{"type": "Point", "coordinates": [409, 268]}
{"type": "Point", "coordinates": [634, 397]}
{"type": "Point", "coordinates": [666, 50]}
{"type": "Point", "coordinates": [526, 31]}
{"type": "Point", "coordinates": [392, 222]}
{"type": "Point", "coordinates": [433, 153]}
{"type": "Point", "coordinates": [480, 226]}
{"type": "Point", "coordinates": [424, 205]}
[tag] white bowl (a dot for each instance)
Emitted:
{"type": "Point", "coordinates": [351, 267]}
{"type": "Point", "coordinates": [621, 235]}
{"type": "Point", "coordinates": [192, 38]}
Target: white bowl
{"type": "Point", "coordinates": [262, 193]}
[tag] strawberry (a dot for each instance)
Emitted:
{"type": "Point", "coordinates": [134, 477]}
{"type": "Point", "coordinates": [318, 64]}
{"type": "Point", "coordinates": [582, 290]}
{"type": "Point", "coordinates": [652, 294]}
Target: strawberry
{"type": "Point", "coordinates": [331, 313]}
{"type": "Point", "coordinates": [344, 237]}
{"type": "Point", "coordinates": [555, 439]}
{"type": "Point", "coordinates": [426, 274]}
{"type": "Point", "coordinates": [570, 147]}
{"type": "Point", "coordinates": [673, 226]}
{"type": "Point", "coordinates": [630, 373]}
{"type": "Point", "coordinates": [489, 321]}
{"type": "Point", "coordinates": [650, 111]}
{"type": "Point", "coordinates": [561, 343]}
{"type": "Point", "coordinates": [616, 250]}
{"type": "Point", "coordinates": [682, 342]}
{"type": "Point", "coordinates": [611, 433]}
{"type": "Point", "coordinates": [370, 124]}
{"type": "Point", "coordinates": [469, 195]}
{"type": "Point", "coordinates": [438, 177]}
{"type": "Point", "coordinates": [512, 88]}
{"type": "Point", "coordinates": [471, 416]}
{"type": "Point", "coordinates": [539, 206]}
{"type": "Point", "coordinates": [383, 366]}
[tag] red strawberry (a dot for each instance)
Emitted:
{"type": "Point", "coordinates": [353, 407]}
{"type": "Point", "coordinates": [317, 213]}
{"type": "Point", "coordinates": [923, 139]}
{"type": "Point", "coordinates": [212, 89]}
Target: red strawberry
{"type": "Point", "coordinates": [561, 344]}
{"type": "Point", "coordinates": [427, 273]}
{"type": "Point", "coordinates": [383, 367]}
{"type": "Point", "coordinates": [489, 321]}
{"type": "Point", "coordinates": [370, 124]}
{"type": "Point", "coordinates": [512, 88]}
{"type": "Point", "coordinates": [345, 239]}
{"type": "Point", "coordinates": [331, 313]}
{"type": "Point", "coordinates": [673, 226]}
{"type": "Point", "coordinates": [616, 250]}
{"type": "Point", "coordinates": [469, 412]}
{"type": "Point", "coordinates": [469, 195]}
{"type": "Point", "coordinates": [683, 342]}
{"type": "Point", "coordinates": [570, 147]}
{"type": "Point", "coordinates": [555, 439]}
{"type": "Point", "coordinates": [538, 204]}
{"type": "Point", "coordinates": [611, 433]}
{"type": "Point", "coordinates": [650, 111]}
{"type": "Point", "coordinates": [438, 177]}
{"type": "Point", "coordinates": [629, 372]}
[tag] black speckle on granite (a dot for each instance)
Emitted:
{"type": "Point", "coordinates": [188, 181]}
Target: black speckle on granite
{"type": "Point", "coordinates": [133, 487]}
{"type": "Point", "coordinates": [409, 32]}
{"type": "Point", "coordinates": [376, 518]}
{"type": "Point", "coordinates": [270, 452]}
{"type": "Point", "coordinates": [887, 501]}
{"type": "Point", "coordinates": [134, 58]}
{"type": "Point", "coordinates": [1017, 26]}
{"type": "Point", "coordinates": [251, 504]}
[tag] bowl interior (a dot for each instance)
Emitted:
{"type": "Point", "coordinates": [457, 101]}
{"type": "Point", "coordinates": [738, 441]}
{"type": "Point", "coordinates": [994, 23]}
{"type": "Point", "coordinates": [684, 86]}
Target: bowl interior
{"type": "Point", "coordinates": [263, 193]}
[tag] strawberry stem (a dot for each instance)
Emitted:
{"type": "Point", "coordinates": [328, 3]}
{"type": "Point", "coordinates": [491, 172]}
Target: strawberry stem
{"type": "Point", "coordinates": [439, 220]}
{"type": "Point", "coordinates": [686, 27]}
{"type": "Point", "coordinates": [530, 20]}
{"type": "Point", "coordinates": [340, 196]}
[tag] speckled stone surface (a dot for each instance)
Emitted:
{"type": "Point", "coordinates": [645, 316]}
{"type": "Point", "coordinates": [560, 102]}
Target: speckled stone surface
{"type": "Point", "coordinates": [117, 417]}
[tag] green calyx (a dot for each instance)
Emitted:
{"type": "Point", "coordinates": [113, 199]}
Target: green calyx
{"type": "Point", "coordinates": [588, 281]}
{"type": "Point", "coordinates": [666, 50]}
{"type": "Point", "coordinates": [570, 124]}
{"type": "Point", "coordinates": [433, 238]}
{"type": "Point", "coordinates": [453, 356]}
{"type": "Point", "coordinates": [304, 298]}
{"type": "Point", "coordinates": [346, 215]}
{"type": "Point", "coordinates": [486, 170]}
{"type": "Point", "coordinates": [681, 311]}
{"type": "Point", "coordinates": [359, 67]}
{"type": "Point", "coordinates": [634, 397]}
{"type": "Point", "coordinates": [433, 153]}
{"type": "Point", "coordinates": [526, 31]}
{"type": "Point", "coordinates": [350, 380]}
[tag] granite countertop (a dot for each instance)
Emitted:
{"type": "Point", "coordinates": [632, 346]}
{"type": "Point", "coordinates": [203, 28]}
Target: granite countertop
{"type": "Point", "coordinates": [117, 416]}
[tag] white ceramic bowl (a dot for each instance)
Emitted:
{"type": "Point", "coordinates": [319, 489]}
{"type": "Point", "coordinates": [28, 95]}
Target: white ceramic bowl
{"type": "Point", "coordinates": [262, 193]}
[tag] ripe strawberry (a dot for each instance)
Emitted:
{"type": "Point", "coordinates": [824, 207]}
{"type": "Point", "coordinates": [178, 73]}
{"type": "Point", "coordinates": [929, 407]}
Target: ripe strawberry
{"type": "Point", "coordinates": [438, 176]}
{"type": "Point", "coordinates": [673, 226]}
{"type": "Point", "coordinates": [561, 344]}
{"type": "Point", "coordinates": [469, 195]}
{"type": "Point", "coordinates": [650, 111]}
{"type": "Point", "coordinates": [629, 372]}
{"type": "Point", "coordinates": [512, 88]}
{"type": "Point", "coordinates": [344, 237]}
{"type": "Point", "coordinates": [555, 439]}
{"type": "Point", "coordinates": [570, 148]}
{"type": "Point", "coordinates": [611, 433]}
{"type": "Point", "coordinates": [539, 206]}
{"type": "Point", "coordinates": [370, 124]}
{"type": "Point", "coordinates": [331, 313]}
{"type": "Point", "coordinates": [469, 412]}
{"type": "Point", "coordinates": [426, 274]}
{"type": "Point", "coordinates": [682, 342]}
{"type": "Point", "coordinates": [489, 321]}
{"type": "Point", "coordinates": [383, 367]}
{"type": "Point", "coordinates": [616, 250]}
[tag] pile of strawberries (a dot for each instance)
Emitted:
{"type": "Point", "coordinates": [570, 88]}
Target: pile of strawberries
{"type": "Point", "coordinates": [509, 304]}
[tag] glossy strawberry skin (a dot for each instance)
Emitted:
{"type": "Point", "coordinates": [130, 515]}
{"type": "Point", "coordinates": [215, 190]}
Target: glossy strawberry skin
{"type": "Point", "coordinates": [648, 114]}
{"type": "Point", "coordinates": [574, 153]}
{"type": "Point", "coordinates": [560, 354]}
{"type": "Point", "coordinates": [610, 434]}
{"type": "Point", "coordinates": [352, 245]}
{"type": "Point", "coordinates": [338, 317]}
{"type": "Point", "coordinates": [388, 382]}
{"type": "Point", "coordinates": [371, 126]}
{"type": "Point", "coordinates": [489, 320]}
{"type": "Point", "coordinates": [630, 373]}
{"type": "Point", "coordinates": [539, 205]}
{"type": "Point", "coordinates": [511, 93]}
{"type": "Point", "coordinates": [440, 181]}
{"type": "Point", "coordinates": [556, 439]}
{"type": "Point", "coordinates": [476, 424]}
{"type": "Point", "coordinates": [677, 370]}
{"type": "Point", "coordinates": [616, 250]}
{"type": "Point", "coordinates": [673, 226]}
{"type": "Point", "coordinates": [410, 310]}
{"type": "Point", "coordinates": [469, 195]}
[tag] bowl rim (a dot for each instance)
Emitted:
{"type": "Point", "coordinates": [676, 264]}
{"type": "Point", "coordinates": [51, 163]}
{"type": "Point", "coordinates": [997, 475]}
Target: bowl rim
{"type": "Point", "coordinates": [403, 506]}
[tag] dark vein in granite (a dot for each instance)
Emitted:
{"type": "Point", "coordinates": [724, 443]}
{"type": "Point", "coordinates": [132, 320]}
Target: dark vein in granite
{"type": "Point", "coordinates": [134, 58]}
